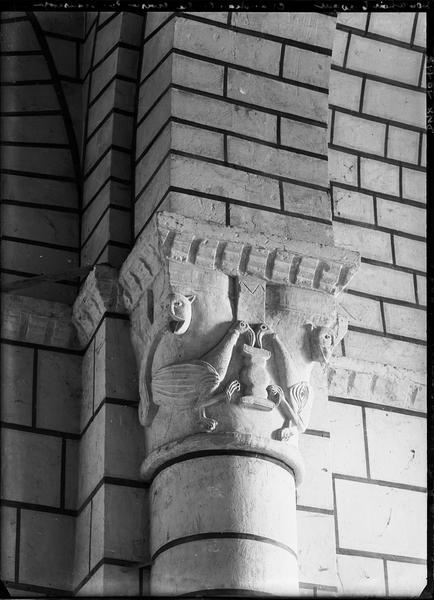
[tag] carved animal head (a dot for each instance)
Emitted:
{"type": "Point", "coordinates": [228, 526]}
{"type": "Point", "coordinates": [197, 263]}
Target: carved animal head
{"type": "Point", "coordinates": [180, 312]}
{"type": "Point", "coordinates": [325, 339]}
{"type": "Point", "coordinates": [261, 330]}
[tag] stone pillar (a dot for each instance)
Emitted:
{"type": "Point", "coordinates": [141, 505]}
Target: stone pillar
{"type": "Point", "coordinates": [227, 326]}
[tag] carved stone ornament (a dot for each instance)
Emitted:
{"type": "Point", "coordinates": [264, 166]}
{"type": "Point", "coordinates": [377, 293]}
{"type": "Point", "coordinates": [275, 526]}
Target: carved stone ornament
{"type": "Point", "coordinates": [227, 326]}
{"type": "Point", "coordinates": [99, 294]}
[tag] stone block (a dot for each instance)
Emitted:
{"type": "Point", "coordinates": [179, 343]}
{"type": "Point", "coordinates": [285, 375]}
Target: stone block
{"type": "Point", "coordinates": [339, 47]}
{"type": "Point", "coordinates": [385, 60]}
{"type": "Point", "coordinates": [114, 164]}
{"type": "Point", "coordinates": [120, 581]}
{"type": "Point", "coordinates": [402, 320]}
{"type": "Point", "coordinates": [46, 549]}
{"type": "Point", "coordinates": [47, 161]}
{"type": "Point", "coordinates": [24, 68]}
{"type": "Point", "coordinates": [374, 348]}
{"type": "Point", "coordinates": [361, 576]}
{"type": "Point", "coordinates": [414, 185]}
{"type": "Point", "coordinates": [410, 253]}
{"type": "Point", "coordinates": [353, 205]}
{"type": "Point", "coordinates": [356, 20]}
{"type": "Point", "coordinates": [230, 46]}
{"type": "Point", "coordinates": [40, 225]}
{"type": "Point", "coordinates": [397, 447]}
{"type": "Point", "coordinates": [394, 103]}
{"type": "Point", "coordinates": [157, 47]}
{"type": "Point", "coordinates": [124, 442]}
{"type": "Point", "coordinates": [224, 181]}
{"type": "Point", "coordinates": [58, 391]}
{"type": "Point", "coordinates": [91, 456]}
{"type": "Point", "coordinates": [118, 534]}
{"type": "Point", "coordinates": [389, 520]}
{"type": "Point", "coordinates": [365, 312]}
{"type": "Point", "coordinates": [381, 281]}
{"type": "Point", "coordinates": [319, 418]}
{"type": "Point", "coordinates": [421, 289]}
{"type": "Point", "coordinates": [113, 227]}
{"type": "Point", "coordinates": [87, 383]}
{"type": "Point", "coordinates": [30, 127]}
{"type": "Point", "coordinates": [277, 95]}
{"type": "Point", "coordinates": [360, 134]}
{"type": "Point", "coordinates": [379, 176]}
{"type": "Point", "coordinates": [115, 364]}
{"type": "Point", "coordinates": [290, 226]}
{"type": "Point", "coordinates": [63, 52]}
{"type": "Point", "coordinates": [306, 201]}
{"type": "Point", "coordinates": [401, 217]}
{"type": "Point", "coordinates": [316, 489]}
{"type": "Point", "coordinates": [156, 119]}
{"type": "Point", "coordinates": [39, 191]}
{"type": "Point", "coordinates": [8, 542]}
{"type": "Point", "coordinates": [197, 74]}
{"type": "Point", "coordinates": [369, 242]}
{"type": "Point", "coordinates": [306, 66]}
{"type": "Point", "coordinates": [347, 439]}
{"type": "Point", "coordinates": [311, 28]}
{"type": "Point", "coordinates": [224, 115]}
{"type": "Point", "coordinates": [197, 141]}
{"type": "Point", "coordinates": [19, 37]}
{"type": "Point", "coordinates": [403, 145]}
{"type": "Point", "coordinates": [303, 136]}
{"type": "Point", "coordinates": [406, 579]}
{"type": "Point", "coordinates": [316, 548]}
{"type": "Point", "coordinates": [278, 162]}
{"type": "Point", "coordinates": [58, 21]}
{"type": "Point", "coordinates": [107, 37]}
{"type": "Point", "coordinates": [71, 474]}
{"type": "Point", "coordinates": [195, 206]}
{"type": "Point", "coordinates": [420, 35]}
{"type": "Point", "coordinates": [122, 62]}
{"type": "Point", "coordinates": [16, 384]}
{"type": "Point", "coordinates": [152, 195]}
{"type": "Point", "coordinates": [94, 586]}
{"type": "Point", "coordinates": [31, 467]}
{"type": "Point", "coordinates": [116, 130]}
{"type": "Point", "coordinates": [155, 20]}
{"type": "Point", "coordinates": [345, 90]}
{"type": "Point", "coordinates": [81, 546]}
{"type": "Point", "coordinates": [398, 26]}
{"type": "Point", "coordinates": [342, 167]}
{"type": "Point", "coordinates": [423, 151]}
{"type": "Point", "coordinates": [32, 97]}
{"type": "Point", "coordinates": [118, 94]}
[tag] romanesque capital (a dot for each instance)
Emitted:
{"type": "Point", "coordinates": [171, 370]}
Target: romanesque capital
{"type": "Point", "coordinates": [227, 325]}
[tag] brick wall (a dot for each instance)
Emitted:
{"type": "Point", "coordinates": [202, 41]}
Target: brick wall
{"type": "Point", "coordinates": [377, 172]}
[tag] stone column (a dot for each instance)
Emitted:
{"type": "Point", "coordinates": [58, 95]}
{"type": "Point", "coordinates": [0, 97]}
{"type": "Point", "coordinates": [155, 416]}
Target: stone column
{"type": "Point", "coordinates": [227, 326]}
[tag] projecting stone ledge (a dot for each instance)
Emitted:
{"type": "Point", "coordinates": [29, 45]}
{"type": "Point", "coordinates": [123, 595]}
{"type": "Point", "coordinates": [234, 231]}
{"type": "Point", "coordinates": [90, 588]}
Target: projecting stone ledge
{"type": "Point", "coordinates": [234, 252]}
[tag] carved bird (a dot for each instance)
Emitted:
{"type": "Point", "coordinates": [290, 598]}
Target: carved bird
{"type": "Point", "coordinates": [197, 382]}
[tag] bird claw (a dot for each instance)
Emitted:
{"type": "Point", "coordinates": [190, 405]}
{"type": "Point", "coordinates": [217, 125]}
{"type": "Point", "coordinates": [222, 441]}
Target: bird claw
{"type": "Point", "coordinates": [232, 388]}
{"type": "Point", "coordinates": [208, 424]}
{"type": "Point", "coordinates": [285, 434]}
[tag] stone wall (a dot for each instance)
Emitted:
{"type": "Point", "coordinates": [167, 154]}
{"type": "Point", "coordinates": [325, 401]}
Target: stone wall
{"type": "Point", "coordinates": [224, 117]}
{"type": "Point", "coordinates": [377, 171]}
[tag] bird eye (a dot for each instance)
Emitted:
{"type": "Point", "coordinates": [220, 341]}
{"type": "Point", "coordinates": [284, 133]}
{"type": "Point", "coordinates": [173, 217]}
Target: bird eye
{"type": "Point", "coordinates": [177, 303]}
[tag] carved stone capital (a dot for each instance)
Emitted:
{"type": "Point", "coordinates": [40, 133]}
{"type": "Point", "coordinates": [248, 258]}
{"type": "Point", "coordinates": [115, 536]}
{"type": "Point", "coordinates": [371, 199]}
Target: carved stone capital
{"type": "Point", "coordinates": [99, 294]}
{"type": "Point", "coordinates": [227, 325]}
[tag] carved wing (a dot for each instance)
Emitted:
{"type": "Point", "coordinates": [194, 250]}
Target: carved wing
{"type": "Point", "coordinates": [180, 383]}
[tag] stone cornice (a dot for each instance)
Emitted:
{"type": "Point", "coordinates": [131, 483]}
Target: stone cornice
{"type": "Point", "coordinates": [235, 252]}
{"type": "Point", "coordinates": [377, 383]}
{"type": "Point", "coordinates": [37, 321]}
{"type": "Point", "coordinates": [100, 293]}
